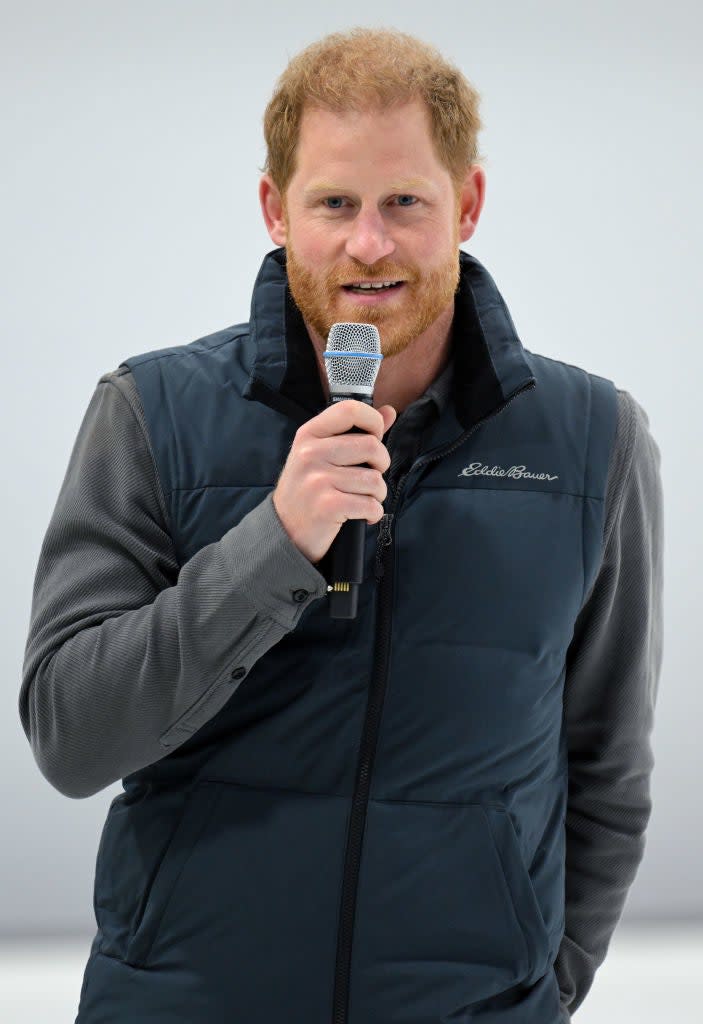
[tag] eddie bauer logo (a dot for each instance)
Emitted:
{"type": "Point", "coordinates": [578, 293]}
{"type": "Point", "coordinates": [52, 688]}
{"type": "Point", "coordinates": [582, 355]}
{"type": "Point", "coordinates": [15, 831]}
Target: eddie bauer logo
{"type": "Point", "coordinates": [515, 472]}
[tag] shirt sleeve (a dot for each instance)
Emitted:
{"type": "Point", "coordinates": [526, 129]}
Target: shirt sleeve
{"type": "Point", "coordinates": [612, 677]}
{"type": "Point", "coordinates": [129, 653]}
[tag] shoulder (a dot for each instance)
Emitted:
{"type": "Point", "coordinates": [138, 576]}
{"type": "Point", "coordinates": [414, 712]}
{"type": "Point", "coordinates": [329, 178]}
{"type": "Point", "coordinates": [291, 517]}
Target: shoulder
{"type": "Point", "coordinates": [175, 357]}
{"type": "Point", "coordinates": [560, 370]}
{"type": "Point", "coordinates": [635, 446]}
{"type": "Point", "coordinates": [634, 477]}
{"type": "Point", "coordinates": [634, 457]}
{"type": "Point", "coordinates": [121, 382]}
{"type": "Point", "coordinates": [207, 345]}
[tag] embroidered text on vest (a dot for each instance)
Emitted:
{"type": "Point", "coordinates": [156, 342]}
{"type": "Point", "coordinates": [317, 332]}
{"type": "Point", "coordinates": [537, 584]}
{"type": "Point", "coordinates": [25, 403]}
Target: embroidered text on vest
{"type": "Point", "coordinates": [516, 472]}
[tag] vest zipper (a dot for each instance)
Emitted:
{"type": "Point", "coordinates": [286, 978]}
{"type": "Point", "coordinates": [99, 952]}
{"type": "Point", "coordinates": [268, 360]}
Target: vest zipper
{"type": "Point", "coordinates": [384, 539]}
{"type": "Point", "coordinates": [372, 720]}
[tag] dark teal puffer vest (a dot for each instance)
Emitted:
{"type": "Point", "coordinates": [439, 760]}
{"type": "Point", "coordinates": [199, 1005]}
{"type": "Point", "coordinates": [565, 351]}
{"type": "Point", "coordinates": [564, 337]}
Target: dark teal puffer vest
{"type": "Point", "coordinates": [371, 830]}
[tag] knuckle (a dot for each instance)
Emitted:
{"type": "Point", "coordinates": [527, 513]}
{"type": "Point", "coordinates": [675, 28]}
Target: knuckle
{"type": "Point", "coordinates": [316, 481]}
{"type": "Point", "coordinates": [304, 451]}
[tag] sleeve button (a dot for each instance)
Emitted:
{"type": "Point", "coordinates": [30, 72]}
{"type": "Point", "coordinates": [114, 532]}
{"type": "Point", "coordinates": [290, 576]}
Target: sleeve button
{"type": "Point", "coordinates": [239, 673]}
{"type": "Point", "coordinates": [300, 595]}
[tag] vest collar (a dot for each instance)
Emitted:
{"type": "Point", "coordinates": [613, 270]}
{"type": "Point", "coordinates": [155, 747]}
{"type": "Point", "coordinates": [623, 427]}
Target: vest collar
{"type": "Point", "coordinates": [489, 359]}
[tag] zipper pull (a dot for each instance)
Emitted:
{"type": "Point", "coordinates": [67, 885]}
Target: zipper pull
{"type": "Point", "coordinates": [384, 539]}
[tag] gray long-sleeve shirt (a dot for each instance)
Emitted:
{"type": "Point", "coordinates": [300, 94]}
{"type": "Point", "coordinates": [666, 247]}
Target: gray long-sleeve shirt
{"type": "Point", "coordinates": [124, 647]}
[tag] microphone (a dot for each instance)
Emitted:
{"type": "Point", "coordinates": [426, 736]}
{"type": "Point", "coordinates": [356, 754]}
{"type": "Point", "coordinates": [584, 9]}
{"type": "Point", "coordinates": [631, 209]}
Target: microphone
{"type": "Point", "coordinates": [352, 361]}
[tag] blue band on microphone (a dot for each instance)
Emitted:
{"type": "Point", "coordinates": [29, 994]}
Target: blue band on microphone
{"type": "Point", "coordinates": [358, 355]}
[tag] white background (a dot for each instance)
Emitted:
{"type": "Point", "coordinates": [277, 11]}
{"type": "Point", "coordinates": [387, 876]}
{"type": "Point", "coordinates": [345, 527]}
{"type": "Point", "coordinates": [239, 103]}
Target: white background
{"type": "Point", "coordinates": [132, 145]}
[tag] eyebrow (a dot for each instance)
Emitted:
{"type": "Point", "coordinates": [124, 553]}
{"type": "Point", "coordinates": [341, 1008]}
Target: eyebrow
{"type": "Point", "coordinates": [331, 188]}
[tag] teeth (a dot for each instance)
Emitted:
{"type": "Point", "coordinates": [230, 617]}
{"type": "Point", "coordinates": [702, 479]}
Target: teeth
{"type": "Point", "coordinates": [381, 284]}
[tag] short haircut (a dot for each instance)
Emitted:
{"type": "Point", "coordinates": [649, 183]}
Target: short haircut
{"type": "Point", "coordinates": [366, 69]}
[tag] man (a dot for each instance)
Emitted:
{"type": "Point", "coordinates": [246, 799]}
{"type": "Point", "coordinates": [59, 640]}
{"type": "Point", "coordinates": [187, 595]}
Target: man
{"type": "Point", "coordinates": [434, 811]}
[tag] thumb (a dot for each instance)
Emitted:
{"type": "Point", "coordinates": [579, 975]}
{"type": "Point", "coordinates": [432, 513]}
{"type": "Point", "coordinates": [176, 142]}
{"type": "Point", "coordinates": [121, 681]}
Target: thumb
{"type": "Point", "coordinates": [389, 417]}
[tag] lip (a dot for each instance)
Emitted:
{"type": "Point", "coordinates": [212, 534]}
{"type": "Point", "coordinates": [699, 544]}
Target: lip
{"type": "Point", "coordinates": [374, 298]}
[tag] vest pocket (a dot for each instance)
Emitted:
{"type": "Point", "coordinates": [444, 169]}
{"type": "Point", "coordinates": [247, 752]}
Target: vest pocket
{"type": "Point", "coordinates": [445, 910]}
{"type": "Point", "coordinates": [245, 903]}
{"type": "Point", "coordinates": [522, 893]}
{"type": "Point", "coordinates": [133, 841]}
{"type": "Point", "coordinates": [197, 809]}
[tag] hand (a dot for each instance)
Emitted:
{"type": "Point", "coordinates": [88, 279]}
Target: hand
{"type": "Point", "coordinates": [323, 482]}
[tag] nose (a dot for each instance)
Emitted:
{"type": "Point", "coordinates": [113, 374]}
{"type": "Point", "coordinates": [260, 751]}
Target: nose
{"type": "Point", "coordinates": [368, 239]}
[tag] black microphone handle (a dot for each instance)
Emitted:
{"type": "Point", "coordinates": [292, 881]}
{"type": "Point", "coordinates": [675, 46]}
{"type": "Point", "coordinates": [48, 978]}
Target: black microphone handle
{"type": "Point", "coordinates": [347, 551]}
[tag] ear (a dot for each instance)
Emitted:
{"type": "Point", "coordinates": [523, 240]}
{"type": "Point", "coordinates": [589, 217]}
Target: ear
{"type": "Point", "coordinates": [471, 198]}
{"type": "Point", "coordinates": [272, 209]}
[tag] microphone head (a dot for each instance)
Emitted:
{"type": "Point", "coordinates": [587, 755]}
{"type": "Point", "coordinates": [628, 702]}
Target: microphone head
{"type": "Point", "coordinates": [353, 359]}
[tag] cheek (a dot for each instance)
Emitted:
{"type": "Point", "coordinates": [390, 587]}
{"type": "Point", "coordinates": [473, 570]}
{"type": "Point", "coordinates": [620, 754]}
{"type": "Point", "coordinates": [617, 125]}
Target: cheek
{"type": "Point", "coordinates": [323, 242]}
{"type": "Point", "coordinates": [315, 243]}
{"type": "Point", "coordinates": [442, 245]}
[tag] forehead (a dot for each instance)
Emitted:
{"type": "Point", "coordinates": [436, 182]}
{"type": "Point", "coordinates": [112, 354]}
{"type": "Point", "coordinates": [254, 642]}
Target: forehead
{"type": "Point", "coordinates": [394, 140]}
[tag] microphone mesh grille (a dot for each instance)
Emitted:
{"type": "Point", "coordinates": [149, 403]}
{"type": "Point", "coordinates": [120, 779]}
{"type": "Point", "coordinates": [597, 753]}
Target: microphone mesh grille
{"type": "Point", "coordinates": [352, 371]}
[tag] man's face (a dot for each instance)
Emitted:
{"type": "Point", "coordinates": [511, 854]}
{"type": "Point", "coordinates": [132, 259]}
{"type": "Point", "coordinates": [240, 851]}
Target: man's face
{"type": "Point", "coordinates": [370, 202]}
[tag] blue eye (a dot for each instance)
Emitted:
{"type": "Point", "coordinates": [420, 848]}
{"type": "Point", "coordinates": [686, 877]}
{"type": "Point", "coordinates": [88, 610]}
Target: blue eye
{"type": "Point", "coordinates": [412, 200]}
{"type": "Point", "coordinates": [334, 200]}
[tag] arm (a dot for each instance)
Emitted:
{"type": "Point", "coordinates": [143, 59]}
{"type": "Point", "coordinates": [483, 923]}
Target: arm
{"type": "Point", "coordinates": [127, 655]}
{"type": "Point", "coordinates": [613, 667]}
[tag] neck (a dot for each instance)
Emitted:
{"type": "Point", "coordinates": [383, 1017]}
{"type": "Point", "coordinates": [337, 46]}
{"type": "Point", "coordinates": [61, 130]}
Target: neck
{"type": "Point", "coordinates": [406, 375]}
